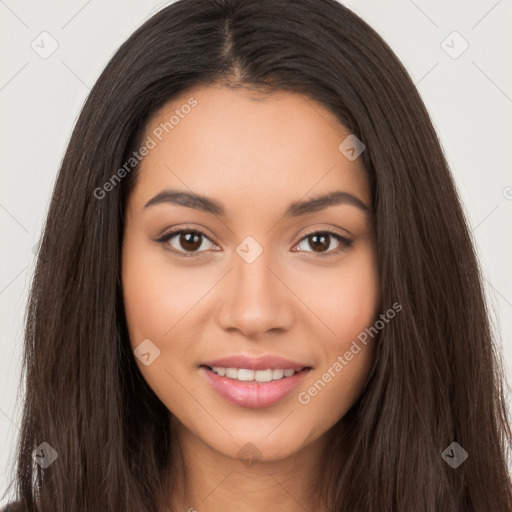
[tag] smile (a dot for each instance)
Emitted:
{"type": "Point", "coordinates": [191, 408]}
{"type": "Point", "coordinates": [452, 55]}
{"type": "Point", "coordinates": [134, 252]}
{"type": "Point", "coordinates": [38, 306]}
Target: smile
{"type": "Point", "coordinates": [245, 375]}
{"type": "Point", "coordinates": [253, 388]}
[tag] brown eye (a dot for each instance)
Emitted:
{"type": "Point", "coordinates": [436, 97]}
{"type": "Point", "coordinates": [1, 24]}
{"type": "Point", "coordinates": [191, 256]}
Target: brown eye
{"type": "Point", "coordinates": [190, 241]}
{"type": "Point", "coordinates": [185, 241]}
{"type": "Point", "coordinates": [321, 243]}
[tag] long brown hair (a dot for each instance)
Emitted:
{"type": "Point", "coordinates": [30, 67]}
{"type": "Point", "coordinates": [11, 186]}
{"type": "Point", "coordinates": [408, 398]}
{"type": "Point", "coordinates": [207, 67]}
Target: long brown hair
{"type": "Point", "coordinates": [437, 376]}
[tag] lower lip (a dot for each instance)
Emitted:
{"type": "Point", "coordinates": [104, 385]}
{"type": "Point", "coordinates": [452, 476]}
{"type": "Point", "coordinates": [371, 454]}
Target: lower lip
{"type": "Point", "coordinates": [254, 394]}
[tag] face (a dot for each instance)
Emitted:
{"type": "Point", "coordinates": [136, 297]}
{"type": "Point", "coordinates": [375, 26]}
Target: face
{"type": "Point", "coordinates": [243, 297]}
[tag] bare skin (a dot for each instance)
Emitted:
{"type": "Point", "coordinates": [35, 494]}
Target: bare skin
{"type": "Point", "coordinates": [255, 156]}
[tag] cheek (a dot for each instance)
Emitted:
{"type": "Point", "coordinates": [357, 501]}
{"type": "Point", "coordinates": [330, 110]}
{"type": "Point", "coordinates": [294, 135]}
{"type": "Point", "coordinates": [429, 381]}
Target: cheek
{"type": "Point", "coordinates": [358, 309]}
{"type": "Point", "coordinates": [351, 304]}
{"type": "Point", "coordinates": [152, 307]}
{"type": "Point", "coordinates": [160, 300]}
{"type": "Point", "coordinates": [156, 295]}
{"type": "Point", "coordinates": [346, 300]}
{"type": "Point", "coordinates": [356, 299]}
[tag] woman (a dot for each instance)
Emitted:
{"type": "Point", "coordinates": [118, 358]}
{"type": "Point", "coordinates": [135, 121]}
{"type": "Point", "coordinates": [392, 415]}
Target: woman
{"type": "Point", "coordinates": [256, 285]}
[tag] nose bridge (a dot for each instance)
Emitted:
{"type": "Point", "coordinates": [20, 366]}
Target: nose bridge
{"type": "Point", "coordinates": [256, 300]}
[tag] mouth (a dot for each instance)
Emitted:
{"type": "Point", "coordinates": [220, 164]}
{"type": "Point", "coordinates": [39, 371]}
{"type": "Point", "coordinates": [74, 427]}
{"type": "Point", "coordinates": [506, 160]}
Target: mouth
{"type": "Point", "coordinates": [247, 375]}
{"type": "Point", "coordinates": [260, 388]}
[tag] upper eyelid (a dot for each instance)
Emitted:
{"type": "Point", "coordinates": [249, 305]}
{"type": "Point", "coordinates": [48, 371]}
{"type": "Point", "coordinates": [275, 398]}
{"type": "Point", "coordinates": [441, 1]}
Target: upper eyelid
{"type": "Point", "coordinates": [185, 229]}
{"type": "Point", "coordinates": [171, 234]}
{"type": "Point", "coordinates": [331, 231]}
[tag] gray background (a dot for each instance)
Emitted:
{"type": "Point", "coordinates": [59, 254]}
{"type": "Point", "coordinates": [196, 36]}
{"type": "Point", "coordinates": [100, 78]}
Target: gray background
{"type": "Point", "coordinates": [469, 97]}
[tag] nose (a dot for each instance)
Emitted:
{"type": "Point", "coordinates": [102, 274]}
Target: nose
{"type": "Point", "coordinates": [255, 299]}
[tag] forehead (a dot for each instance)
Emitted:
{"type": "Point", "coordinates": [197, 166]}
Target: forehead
{"type": "Point", "coordinates": [247, 149]}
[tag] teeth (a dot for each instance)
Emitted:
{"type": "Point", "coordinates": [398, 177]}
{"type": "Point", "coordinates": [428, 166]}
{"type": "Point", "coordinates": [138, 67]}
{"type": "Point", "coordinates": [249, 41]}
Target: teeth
{"type": "Point", "coordinates": [277, 374]}
{"type": "Point", "coordinates": [232, 373]}
{"type": "Point", "coordinates": [245, 375]}
{"type": "Point", "coordinates": [263, 375]}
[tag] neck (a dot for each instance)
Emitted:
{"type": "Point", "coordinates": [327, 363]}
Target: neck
{"type": "Point", "coordinates": [205, 480]}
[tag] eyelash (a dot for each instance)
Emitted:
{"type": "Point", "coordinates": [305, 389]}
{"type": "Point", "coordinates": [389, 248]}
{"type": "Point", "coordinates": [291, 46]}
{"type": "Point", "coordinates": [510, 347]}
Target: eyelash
{"type": "Point", "coordinates": [346, 243]}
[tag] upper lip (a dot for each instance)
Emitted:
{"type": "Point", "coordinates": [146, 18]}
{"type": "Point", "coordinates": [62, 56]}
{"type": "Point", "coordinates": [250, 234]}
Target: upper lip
{"type": "Point", "coordinates": [264, 362]}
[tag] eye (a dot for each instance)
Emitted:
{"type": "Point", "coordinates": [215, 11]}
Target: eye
{"type": "Point", "coordinates": [191, 242]}
{"type": "Point", "coordinates": [183, 241]}
{"type": "Point", "coordinates": [320, 242]}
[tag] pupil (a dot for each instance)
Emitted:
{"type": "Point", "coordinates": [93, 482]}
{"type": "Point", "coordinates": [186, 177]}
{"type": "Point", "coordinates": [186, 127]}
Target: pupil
{"type": "Point", "coordinates": [190, 241]}
{"type": "Point", "coordinates": [323, 244]}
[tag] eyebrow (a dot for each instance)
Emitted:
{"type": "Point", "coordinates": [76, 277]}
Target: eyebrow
{"type": "Point", "coordinates": [295, 209]}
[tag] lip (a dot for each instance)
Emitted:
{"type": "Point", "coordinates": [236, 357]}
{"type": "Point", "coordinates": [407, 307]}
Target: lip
{"type": "Point", "coordinates": [253, 394]}
{"type": "Point", "coordinates": [264, 362]}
